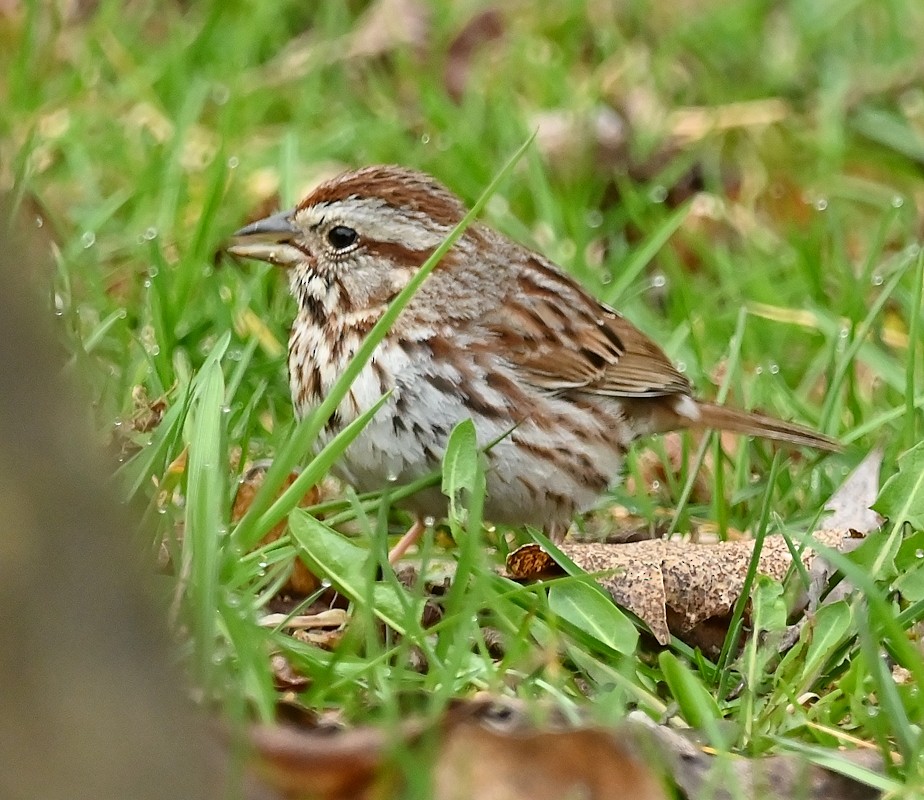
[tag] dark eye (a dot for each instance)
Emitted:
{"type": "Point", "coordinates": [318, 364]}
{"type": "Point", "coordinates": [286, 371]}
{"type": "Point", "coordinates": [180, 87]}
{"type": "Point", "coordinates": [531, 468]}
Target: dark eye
{"type": "Point", "coordinates": [341, 237]}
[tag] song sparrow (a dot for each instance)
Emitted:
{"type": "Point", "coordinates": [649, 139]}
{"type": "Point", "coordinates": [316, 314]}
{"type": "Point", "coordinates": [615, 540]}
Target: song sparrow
{"type": "Point", "coordinates": [497, 334]}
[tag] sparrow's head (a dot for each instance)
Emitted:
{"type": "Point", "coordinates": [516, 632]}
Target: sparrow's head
{"type": "Point", "coordinates": [367, 221]}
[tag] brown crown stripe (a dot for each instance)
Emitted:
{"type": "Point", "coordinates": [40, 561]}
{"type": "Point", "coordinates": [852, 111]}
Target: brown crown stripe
{"type": "Point", "coordinates": [396, 186]}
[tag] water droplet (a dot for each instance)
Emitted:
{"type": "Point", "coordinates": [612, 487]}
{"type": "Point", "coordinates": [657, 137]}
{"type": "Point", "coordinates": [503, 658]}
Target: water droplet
{"type": "Point", "coordinates": [325, 583]}
{"type": "Point", "coordinates": [59, 305]}
{"type": "Point", "coordinates": [233, 162]}
{"type": "Point", "coordinates": [161, 510]}
{"type": "Point", "coordinates": [117, 423]}
{"type": "Point", "coordinates": [681, 366]}
{"type": "Point", "coordinates": [154, 350]}
{"type": "Point", "coordinates": [593, 219]}
{"type": "Point", "coordinates": [429, 521]}
{"type": "Point", "coordinates": [425, 139]}
{"type": "Point", "coordinates": [655, 485]}
{"type": "Point", "coordinates": [821, 203]}
{"type": "Point", "coordinates": [844, 333]}
{"type": "Point", "coordinates": [226, 409]}
{"type": "Point", "coordinates": [220, 94]}
{"type": "Point", "coordinates": [122, 313]}
{"type": "Point", "coordinates": [153, 271]}
{"type": "Point", "coordinates": [877, 279]}
{"type": "Point", "coordinates": [150, 233]}
{"type": "Point", "coordinates": [263, 563]}
{"type": "Point", "coordinates": [146, 283]}
{"type": "Point", "coordinates": [222, 531]}
{"type": "Point", "coordinates": [391, 477]}
{"type": "Point", "coordinates": [659, 281]}
{"type": "Point", "coordinates": [218, 659]}
{"type": "Point", "coordinates": [758, 370]}
{"type": "Point", "coordinates": [774, 369]}
{"type": "Point", "coordinates": [657, 193]}
{"type": "Point", "coordinates": [39, 222]}
{"type": "Point", "coordinates": [88, 239]}
{"type": "Point", "coordinates": [919, 553]}
{"type": "Point", "coordinates": [898, 201]}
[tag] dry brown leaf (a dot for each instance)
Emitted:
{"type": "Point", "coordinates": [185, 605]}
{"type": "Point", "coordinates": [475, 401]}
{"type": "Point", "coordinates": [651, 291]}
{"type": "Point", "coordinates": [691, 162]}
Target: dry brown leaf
{"type": "Point", "coordinates": [301, 581]}
{"type": "Point", "coordinates": [674, 586]}
{"type": "Point", "coordinates": [850, 504]}
{"type": "Point", "coordinates": [478, 762]}
{"type": "Point", "coordinates": [485, 27]}
{"type": "Point", "coordinates": [705, 776]}
{"type": "Point", "coordinates": [389, 25]}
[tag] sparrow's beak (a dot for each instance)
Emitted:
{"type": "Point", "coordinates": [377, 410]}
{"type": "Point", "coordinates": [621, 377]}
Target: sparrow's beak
{"type": "Point", "coordinates": [271, 239]}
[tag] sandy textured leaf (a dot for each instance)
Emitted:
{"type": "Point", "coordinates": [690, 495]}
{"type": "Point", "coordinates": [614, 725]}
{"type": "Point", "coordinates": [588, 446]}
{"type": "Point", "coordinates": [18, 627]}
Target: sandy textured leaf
{"type": "Point", "coordinates": [673, 586]}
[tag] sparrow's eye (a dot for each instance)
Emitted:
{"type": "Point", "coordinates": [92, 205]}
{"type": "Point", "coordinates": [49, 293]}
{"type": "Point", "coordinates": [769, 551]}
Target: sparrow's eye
{"type": "Point", "coordinates": [341, 237]}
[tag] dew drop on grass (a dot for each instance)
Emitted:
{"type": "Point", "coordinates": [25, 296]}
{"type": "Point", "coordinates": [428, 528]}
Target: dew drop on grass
{"type": "Point", "coordinates": [233, 162]}
{"type": "Point", "coordinates": [655, 485]}
{"type": "Point", "coordinates": [919, 553]}
{"type": "Point", "coordinates": [898, 201]}
{"type": "Point", "coordinates": [88, 239]}
{"type": "Point", "coordinates": [429, 522]}
{"type": "Point", "coordinates": [39, 222]}
{"type": "Point", "coordinates": [821, 204]}
{"type": "Point", "coordinates": [758, 370]}
{"type": "Point", "coordinates": [226, 409]}
{"type": "Point", "coordinates": [153, 271]}
{"type": "Point", "coordinates": [593, 219]}
{"type": "Point", "coordinates": [657, 193]}
{"type": "Point", "coordinates": [117, 423]}
{"type": "Point", "coordinates": [220, 94]}
{"type": "Point", "coordinates": [877, 279]}
{"type": "Point", "coordinates": [681, 366]}
{"type": "Point", "coordinates": [774, 369]}
{"type": "Point", "coordinates": [658, 282]}
{"type": "Point", "coordinates": [122, 313]}
{"type": "Point", "coordinates": [425, 138]}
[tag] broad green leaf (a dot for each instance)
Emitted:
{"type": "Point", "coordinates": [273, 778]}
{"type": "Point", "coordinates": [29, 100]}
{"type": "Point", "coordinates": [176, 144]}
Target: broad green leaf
{"type": "Point", "coordinates": [461, 472]}
{"type": "Point", "coordinates": [587, 608]}
{"type": "Point", "coordinates": [910, 565]}
{"type": "Point", "coordinates": [331, 555]}
{"type": "Point", "coordinates": [902, 497]}
{"type": "Point", "coordinates": [697, 704]}
{"type": "Point", "coordinates": [830, 626]}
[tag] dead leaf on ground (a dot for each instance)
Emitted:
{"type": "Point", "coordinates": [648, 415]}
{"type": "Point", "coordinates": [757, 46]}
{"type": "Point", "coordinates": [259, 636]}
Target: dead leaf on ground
{"type": "Point", "coordinates": [492, 748]}
{"type": "Point", "coordinates": [486, 27]}
{"type": "Point", "coordinates": [389, 25]}
{"type": "Point", "coordinates": [301, 582]}
{"type": "Point", "coordinates": [674, 586]}
{"type": "Point", "coordinates": [850, 505]}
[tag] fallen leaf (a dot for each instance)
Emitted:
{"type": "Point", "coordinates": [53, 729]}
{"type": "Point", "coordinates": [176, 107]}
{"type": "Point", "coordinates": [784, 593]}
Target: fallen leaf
{"type": "Point", "coordinates": [850, 506]}
{"type": "Point", "coordinates": [389, 25]}
{"type": "Point", "coordinates": [673, 586]}
{"type": "Point", "coordinates": [484, 28]}
{"type": "Point", "coordinates": [301, 582]}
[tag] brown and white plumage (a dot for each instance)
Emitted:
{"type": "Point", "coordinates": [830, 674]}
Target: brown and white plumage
{"type": "Point", "coordinates": [497, 334]}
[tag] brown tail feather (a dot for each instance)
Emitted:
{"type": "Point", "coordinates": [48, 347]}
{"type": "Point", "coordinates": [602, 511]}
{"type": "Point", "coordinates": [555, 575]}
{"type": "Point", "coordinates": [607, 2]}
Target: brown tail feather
{"type": "Point", "coordinates": [731, 419]}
